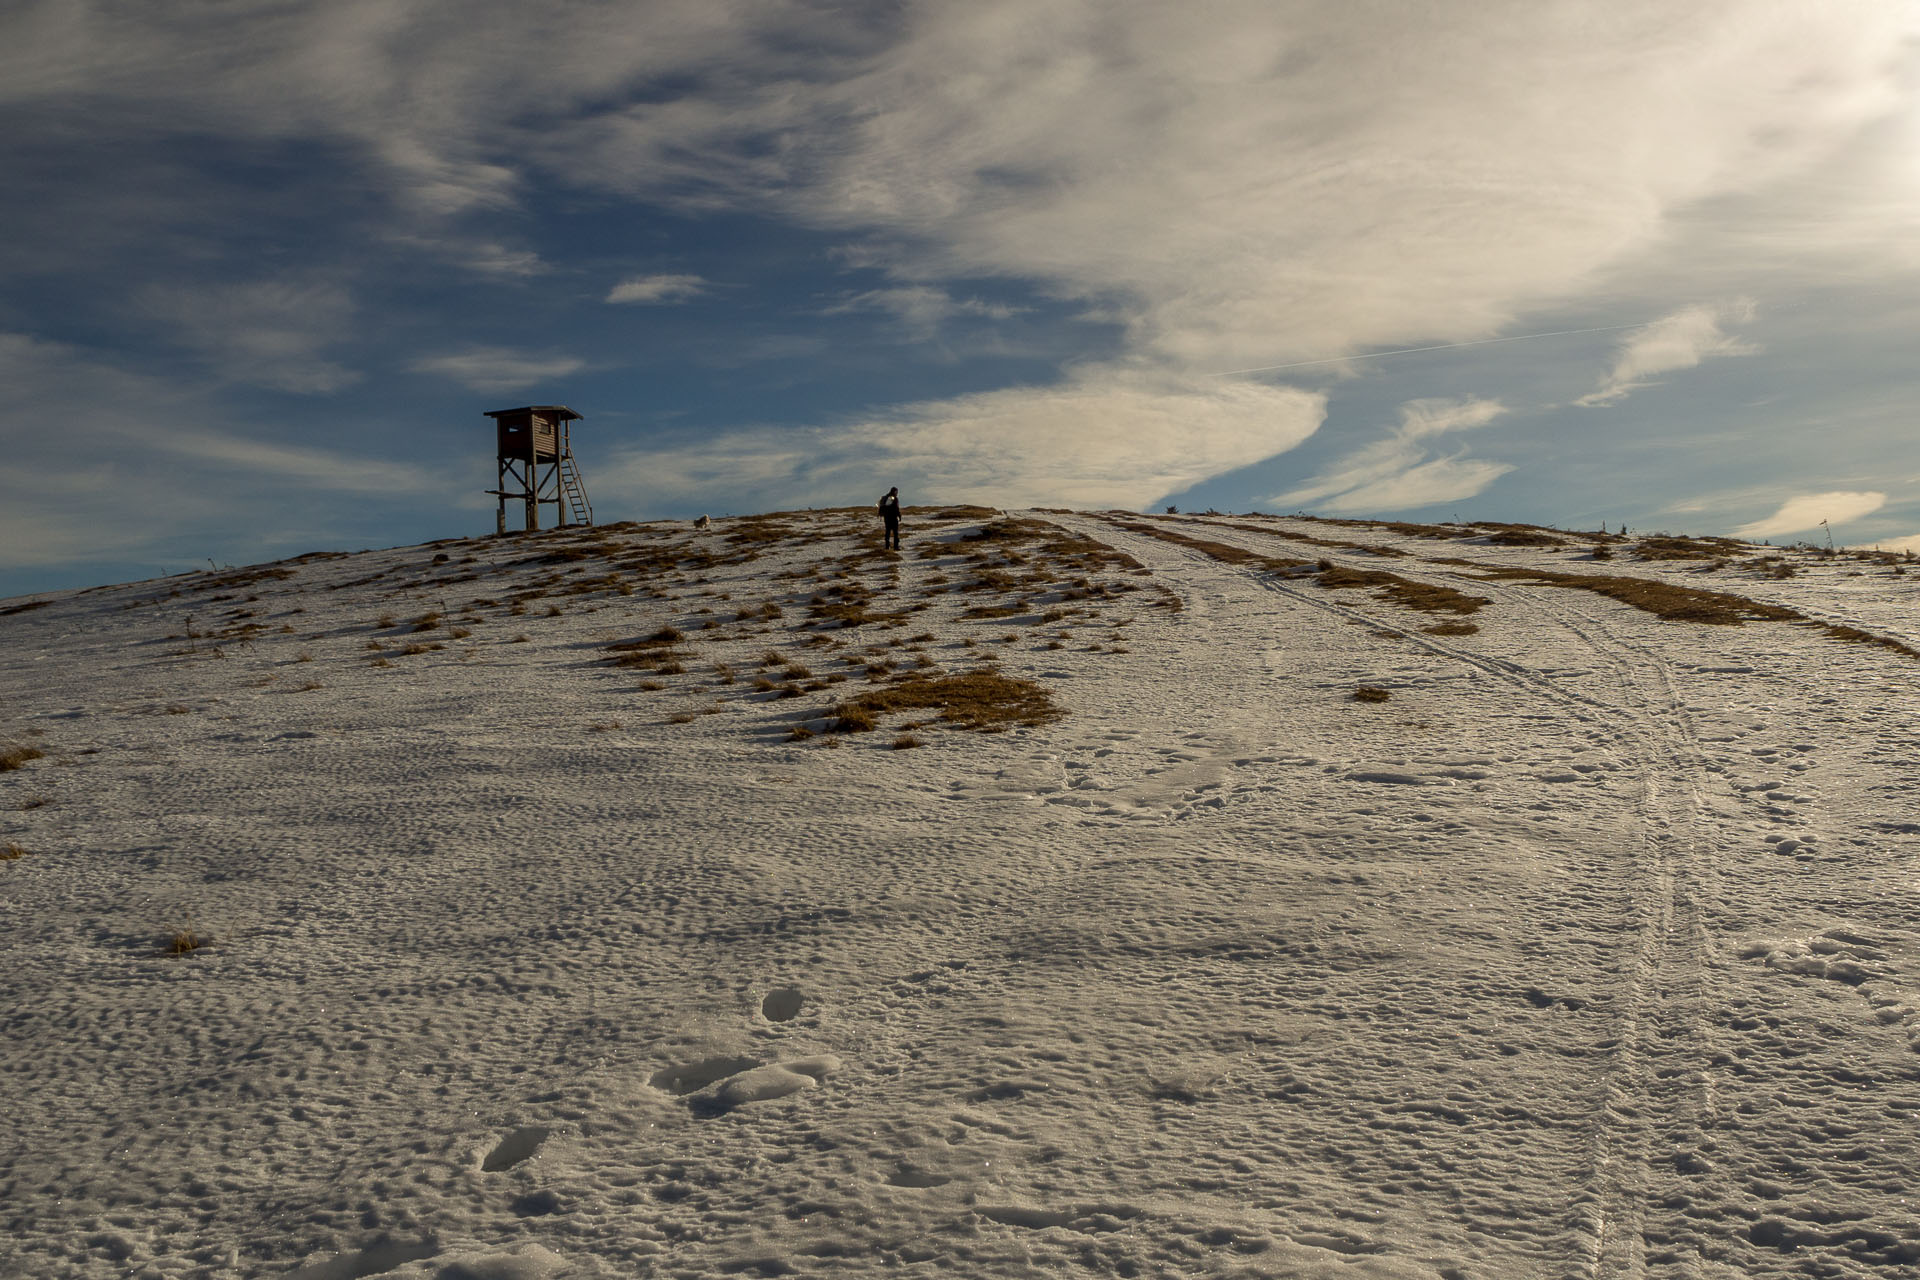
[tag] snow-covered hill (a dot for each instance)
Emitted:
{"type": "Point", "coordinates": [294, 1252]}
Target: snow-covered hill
{"type": "Point", "coordinates": [558, 915]}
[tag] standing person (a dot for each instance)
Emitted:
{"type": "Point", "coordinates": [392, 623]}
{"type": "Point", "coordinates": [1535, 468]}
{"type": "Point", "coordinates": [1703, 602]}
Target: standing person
{"type": "Point", "coordinates": [890, 512]}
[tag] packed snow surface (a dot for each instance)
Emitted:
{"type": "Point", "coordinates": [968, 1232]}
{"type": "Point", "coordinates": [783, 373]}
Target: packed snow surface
{"type": "Point", "coordinates": [517, 908]}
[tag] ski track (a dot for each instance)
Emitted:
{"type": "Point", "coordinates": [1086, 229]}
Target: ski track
{"type": "Point", "coordinates": [1588, 953]}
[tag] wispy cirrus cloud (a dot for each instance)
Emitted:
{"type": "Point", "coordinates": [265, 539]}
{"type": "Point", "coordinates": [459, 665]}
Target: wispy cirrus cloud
{"type": "Point", "coordinates": [156, 472]}
{"type": "Point", "coordinates": [922, 309]}
{"type": "Point", "coordinates": [1401, 471]}
{"type": "Point", "coordinates": [1678, 341]}
{"type": "Point", "coordinates": [1810, 510]}
{"type": "Point", "coordinates": [501, 369]}
{"type": "Point", "coordinates": [272, 333]}
{"type": "Point", "coordinates": [658, 289]}
{"type": "Point", "coordinates": [1100, 438]}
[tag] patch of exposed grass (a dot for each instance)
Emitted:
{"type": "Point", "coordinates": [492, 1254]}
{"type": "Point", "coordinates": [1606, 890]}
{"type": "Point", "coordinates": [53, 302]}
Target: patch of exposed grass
{"type": "Point", "coordinates": [985, 701]}
{"type": "Point", "coordinates": [906, 742]}
{"type": "Point", "coordinates": [184, 940]}
{"type": "Point", "coordinates": [1370, 693]}
{"type": "Point", "coordinates": [15, 756]}
{"type": "Point", "coordinates": [1853, 635]}
{"type": "Point", "coordinates": [1664, 600]}
{"type": "Point", "coordinates": [11, 852]}
{"type": "Point", "coordinates": [1451, 629]}
{"type": "Point", "coordinates": [1422, 597]}
{"type": "Point", "coordinates": [1662, 547]}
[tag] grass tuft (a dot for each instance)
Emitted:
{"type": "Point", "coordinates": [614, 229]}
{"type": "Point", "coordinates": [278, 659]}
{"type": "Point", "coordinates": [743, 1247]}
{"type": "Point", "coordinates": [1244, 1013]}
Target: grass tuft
{"type": "Point", "coordinates": [185, 941]}
{"type": "Point", "coordinates": [15, 757]}
{"type": "Point", "coordinates": [1370, 693]}
{"type": "Point", "coordinates": [985, 701]}
{"type": "Point", "coordinates": [11, 852]}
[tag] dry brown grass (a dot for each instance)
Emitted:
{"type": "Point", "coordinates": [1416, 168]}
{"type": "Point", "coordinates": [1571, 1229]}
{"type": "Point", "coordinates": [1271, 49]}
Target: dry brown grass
{"type": "Point", "coordinates": [1669, 548]}
{"type": "Point", "coordinates": [184, 941]}
{"type": "Point", "coordinates": [906, 742]}
{"type": "Point", "coordinates": [985, 701]}
{"type": "Point", "coordinates": [1423, 597]}
{"type": "Point", "coordinates": [1451, 629]}
{"type": "Point", "coordinates": [15, 756]}
{"type": "Point", "coordinates": [1662, 599]}
{"type": "Point", "coordinates": [1370, 693]}
{"type": "Point", "coordinates": [11, 852]}
{"type": "Point", "coordinates": [1853, 635]}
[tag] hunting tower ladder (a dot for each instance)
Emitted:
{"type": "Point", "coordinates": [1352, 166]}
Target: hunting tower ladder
{"type": "Point", "coordinates": [536, 465]}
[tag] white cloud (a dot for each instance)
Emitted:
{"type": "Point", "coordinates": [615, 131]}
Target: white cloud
{"type": "Point", "coordinates": [1420, 485]}
{"type": "Point", "coordinates": [156, 474]}
{"type": "Point", "coordinates": [269, 332]}
{"type": "Point", "coordinates": [498, 368]}
{"type": "Point", "coordinates": [1400, 472]}
{"type": "Point", "coordinates": [658, 289]}
{"type": "Point", "coordinates": [1103, 437]}
{"type": "Point", "coordinates": [1203, 176]}
{"type": "Point", "coordinates": [1677, 341]}
{"type": "Point", "coordinates": [922, 309]}
{"type": "Point", "coordinates": [1799, 514]}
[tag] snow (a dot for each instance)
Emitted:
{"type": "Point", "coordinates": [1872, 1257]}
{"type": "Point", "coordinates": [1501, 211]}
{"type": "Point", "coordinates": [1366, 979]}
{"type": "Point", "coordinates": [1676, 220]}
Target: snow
{"type": "Point", "coordinates": [1590, 951]}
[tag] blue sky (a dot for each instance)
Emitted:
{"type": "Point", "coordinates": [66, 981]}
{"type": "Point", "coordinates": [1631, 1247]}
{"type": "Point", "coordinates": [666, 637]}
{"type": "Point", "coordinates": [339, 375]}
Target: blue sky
{"type": "Point", "coordinates": [266, 265]}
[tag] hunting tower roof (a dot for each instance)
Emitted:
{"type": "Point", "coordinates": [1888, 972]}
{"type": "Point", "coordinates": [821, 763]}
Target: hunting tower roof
{"type": "Point", "coordinates": [559, 412]}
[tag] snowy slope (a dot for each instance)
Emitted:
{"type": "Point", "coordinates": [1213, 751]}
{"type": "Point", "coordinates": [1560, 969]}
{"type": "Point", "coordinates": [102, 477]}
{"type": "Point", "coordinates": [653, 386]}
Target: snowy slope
{"type": "Point", "coordinates": [1588, 951]}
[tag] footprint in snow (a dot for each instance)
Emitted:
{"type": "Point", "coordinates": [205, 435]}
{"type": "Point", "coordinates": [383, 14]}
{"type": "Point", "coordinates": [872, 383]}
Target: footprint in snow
{"type": "Point", "coordinates": [716, 1086]}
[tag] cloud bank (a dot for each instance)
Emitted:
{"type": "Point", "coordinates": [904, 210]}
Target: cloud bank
{"type": "Point", "coordinates": [1796, 515]}
{"type": "Point", "coordinates": [1242, 185]}
{"type": "Point", "coordinates": [1248, 185]}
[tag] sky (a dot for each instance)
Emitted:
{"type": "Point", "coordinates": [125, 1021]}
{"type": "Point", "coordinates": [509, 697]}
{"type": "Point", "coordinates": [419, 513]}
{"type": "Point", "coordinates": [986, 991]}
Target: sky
{"type": "Point", "coordinates": [265, 264]}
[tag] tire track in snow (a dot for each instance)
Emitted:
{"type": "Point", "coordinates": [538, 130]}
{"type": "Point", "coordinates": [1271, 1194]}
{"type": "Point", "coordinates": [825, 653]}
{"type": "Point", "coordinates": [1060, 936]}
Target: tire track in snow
{"type": "Point", "coordinates": [1659, 1087]}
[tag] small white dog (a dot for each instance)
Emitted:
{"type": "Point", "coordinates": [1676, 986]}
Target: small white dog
{"type": "Point", "coordinates": [704, 522]}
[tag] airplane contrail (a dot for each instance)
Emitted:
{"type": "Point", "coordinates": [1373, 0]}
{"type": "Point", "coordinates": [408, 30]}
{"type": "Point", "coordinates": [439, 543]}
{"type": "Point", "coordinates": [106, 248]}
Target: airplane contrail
{"type": "Point", "coordinates": [1443, 346]}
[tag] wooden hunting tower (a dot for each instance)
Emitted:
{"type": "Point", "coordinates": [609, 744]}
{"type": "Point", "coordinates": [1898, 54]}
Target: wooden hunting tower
{"type": "Point", "coordinates": [535, 455]}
